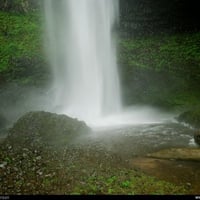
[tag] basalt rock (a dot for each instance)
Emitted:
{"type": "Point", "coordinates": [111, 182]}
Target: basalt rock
{"type": "Point", "coordinates": [46, 128]}
{"type": "Point", "coordinates": [191, 117]}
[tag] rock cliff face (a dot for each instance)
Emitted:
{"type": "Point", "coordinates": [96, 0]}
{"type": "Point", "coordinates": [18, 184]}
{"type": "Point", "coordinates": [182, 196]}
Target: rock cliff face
{"type": "Point", "coordinates": [146, 17]}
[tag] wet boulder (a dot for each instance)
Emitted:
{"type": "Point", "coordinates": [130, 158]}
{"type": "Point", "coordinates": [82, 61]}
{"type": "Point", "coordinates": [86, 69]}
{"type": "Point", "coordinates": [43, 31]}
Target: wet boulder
{"type": "Point", "coordinates": [46, 128]}
{"type": "Point", "coordinates": [191, 117]}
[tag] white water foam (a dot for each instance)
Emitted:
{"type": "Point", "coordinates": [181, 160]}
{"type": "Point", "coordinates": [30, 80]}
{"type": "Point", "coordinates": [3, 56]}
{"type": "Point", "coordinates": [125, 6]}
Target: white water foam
{"type": "Point", "coordinates": [81, 49]}
{"type": "Point", "coordinates": [82, 54]}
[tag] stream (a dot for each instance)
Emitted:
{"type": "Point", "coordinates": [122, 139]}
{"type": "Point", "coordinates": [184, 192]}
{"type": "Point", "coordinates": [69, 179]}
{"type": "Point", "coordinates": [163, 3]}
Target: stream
{"type": "Point", "coordinates": [138, 140]}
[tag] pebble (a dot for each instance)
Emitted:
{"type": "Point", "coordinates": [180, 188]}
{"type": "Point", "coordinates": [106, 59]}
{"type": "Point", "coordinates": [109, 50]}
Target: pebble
{"type": "Point", "coordinates": [2, 165]}
{"type": "Point", "coordinates": [25, 149]}
{"type": "Point", "coordinates": [10, 147]}
{"type": "Point", "coordinates": [38, 158]}
{"type": "Point", "coordinates": [24, 155]}
{"type": "Point", "coordinates": [188, 185]}
{"type": "Point", "coordinates": [16, 169]}
{"type": "Point", "coordinates": [39, 173]}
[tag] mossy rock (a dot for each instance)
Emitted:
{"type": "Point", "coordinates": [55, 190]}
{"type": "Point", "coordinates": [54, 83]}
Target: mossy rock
{"type": "Point", "coordinates": [46, 128]}
{"type": "Point", "coordinates": [191, 117]}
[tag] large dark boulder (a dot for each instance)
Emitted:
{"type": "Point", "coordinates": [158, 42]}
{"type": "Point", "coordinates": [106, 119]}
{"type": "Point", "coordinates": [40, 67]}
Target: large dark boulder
{"type": "Point", "coordinates": [46, 128]}
{"type": "Point", "coordinates": [191, 117]}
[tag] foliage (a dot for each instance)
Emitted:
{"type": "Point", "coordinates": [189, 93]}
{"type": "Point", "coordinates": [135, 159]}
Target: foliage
{"type": "Point", "coordinates": [163, 69]}
{"type": "Point", "coordinates": [137, 183]}
{"type": "Point", "coordinates": [20, 42]}
{"type": "Point", "coordinates": [164, 53]}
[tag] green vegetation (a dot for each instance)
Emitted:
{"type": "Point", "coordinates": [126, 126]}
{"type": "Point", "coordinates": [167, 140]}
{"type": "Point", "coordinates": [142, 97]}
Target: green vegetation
{"type": "Point", "coordinates": [164, 53]}
{"type": "Point", "coordinates": [21, 56]}
{"type": "Point", "coordinates": [19, 36]}
{"type": "Point", "coordinates": [159, 70]}
{"type": "Point", "coordinates": [162, 70]}
{"type": "Point", "coordinates": [128, 182]}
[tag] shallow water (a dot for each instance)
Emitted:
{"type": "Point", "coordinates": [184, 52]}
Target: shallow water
{"type": "Point", "coordinates": [138, 140]}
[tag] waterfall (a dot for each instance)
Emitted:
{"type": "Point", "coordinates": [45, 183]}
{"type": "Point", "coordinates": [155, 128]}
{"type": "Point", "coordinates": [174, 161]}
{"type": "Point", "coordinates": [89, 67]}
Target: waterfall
{"type": "Point", "coordinates": [80, 43]}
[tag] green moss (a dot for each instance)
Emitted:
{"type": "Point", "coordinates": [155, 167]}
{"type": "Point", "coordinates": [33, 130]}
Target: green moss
{"type": "Point", "coordinates": [161, 70]}
{"type": "Point", "coordinates": [21, 49]}
{"type": "Point", "coordinates": [19, 36]}
{"type": "Point", "coordinates": [45, 127]}
{"type": "Point", "coordinates": [162, 52]}
{"type": "Point", "coordinates": [128, 182]}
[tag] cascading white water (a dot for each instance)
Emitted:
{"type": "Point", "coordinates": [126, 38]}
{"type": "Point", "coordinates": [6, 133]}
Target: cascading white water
{"type": "Point", "coordinates": [82, 53]}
